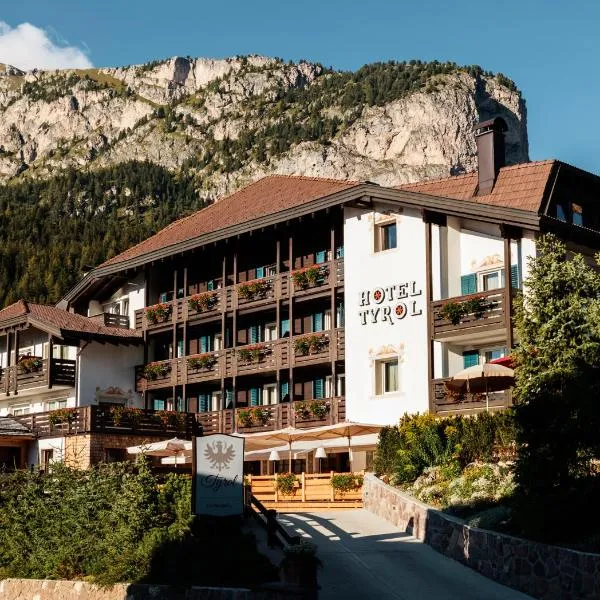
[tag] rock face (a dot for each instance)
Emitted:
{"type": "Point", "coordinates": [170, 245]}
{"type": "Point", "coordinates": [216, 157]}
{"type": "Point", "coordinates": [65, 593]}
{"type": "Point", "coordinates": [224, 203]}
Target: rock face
{"type": "Point", "coordinates": [197, 114]}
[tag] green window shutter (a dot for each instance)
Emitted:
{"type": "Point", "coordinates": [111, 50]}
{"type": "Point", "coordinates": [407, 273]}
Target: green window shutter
{"type": "Point", "coordinates": [228, 398]}
{"type": "Point", "coordinates": [318, 322]}
{"type": "Point", "coordinates": [318, 387]}
{"type": "Point", "coordinates": [515, 279]}
{"type": "Point", "coordinates": [285, 389]}
{"type": "Point", "coordinates": [203, 403]}
{"type": "Point", "coordinates": [320, 256]}
{"type": "Point", "coordinates": [255, 396]}
{"type": "Point", "coordinates": [339, 252]}
{"type": "Point", "coordinates": [162, 297]}
{"type": "Point", "coordinates": [210, 285]}
{"type": "Point", "coordinates": [468, 284]}
{"type": "Point", "coordinates": [159, 404]}
{"type": "Point", "coordinates": [470, 358]}
{"type": "Point", "coordinates": [260, 272]}
{"type": "Point", "coordinates": [254, 334]}
{"type": "Point", "coordinates": [340, 315]}
{"type": "Point", "coordinates": [206, 343]}
{"type": "Point", "coordinates": [285, 327]}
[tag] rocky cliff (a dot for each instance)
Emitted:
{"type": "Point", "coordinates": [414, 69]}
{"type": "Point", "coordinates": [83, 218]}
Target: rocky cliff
{"type": "Point", "coordinates": [230, 121]}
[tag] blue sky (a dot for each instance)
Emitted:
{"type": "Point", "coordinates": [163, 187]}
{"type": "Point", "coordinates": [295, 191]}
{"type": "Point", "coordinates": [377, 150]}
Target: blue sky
{"type": "Point", "coordinates": [549, 49]}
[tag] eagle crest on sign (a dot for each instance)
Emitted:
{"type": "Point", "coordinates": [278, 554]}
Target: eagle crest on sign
{"type": "Point", "coordinates": [219, 455]}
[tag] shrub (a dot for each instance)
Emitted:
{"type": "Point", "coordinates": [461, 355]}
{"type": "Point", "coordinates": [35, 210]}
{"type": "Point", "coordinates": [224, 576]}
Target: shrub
{"type": "Point", "coordinates": [286, 483]}
{"type": "Point", "coordinates": [255, 416]}
{"type": "Point", "coordinates": [346, 482]}
{"type": "Point", "coordinates": [302, 410]}
{"type": "Point", "coordinates": [319, 409]}
{"type": "Point", "coordinates": [245, 418]}
{"type": "Point", "coordinates": [310, 344]}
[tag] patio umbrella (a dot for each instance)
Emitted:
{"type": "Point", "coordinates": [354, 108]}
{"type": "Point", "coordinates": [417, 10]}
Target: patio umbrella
{"type": "Point", "coordinates": [173, 447]}
{"type": "Point", "coordinates": [505, 361]}
{"type": "Point", "coordinates": [259, 441]}
{"type": "Point", "coordinates": [480, 379]}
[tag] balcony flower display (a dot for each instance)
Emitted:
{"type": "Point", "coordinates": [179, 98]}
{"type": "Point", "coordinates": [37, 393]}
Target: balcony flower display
{"type": "Point", "coordinates": [170, 418]}
{"type": "Point", "coordinates": [308, 276]}
{"type": "Point", "coordinates": [30, 364]}
{"type": "Point", "coordinates": [302, 410]}
{"type": "Point", "coordinates": [254, 289]}
{"type": "Point", "coordinates": [319, 409]}
{"type": "Point", "coordinates": [254, 353]}
{"type": "Point", "coordinates": [203, 302]}
{"type": "Point", "coordinates": [62, 415]}
{"type": "Point", "coordinates": [202, 361]}
{"type": "Point", "coordinates": [156, 370]}
{"type": "Point", "coordinates": [310, 344]}
{"type": "Point", "coordinates": [159, 313]}
{"type": "Point", "coordinates": [455, 311]}
{"type": "Point", "coordinates": [256, 416]}
{"type": "Point", "coordinates": [120, 414]}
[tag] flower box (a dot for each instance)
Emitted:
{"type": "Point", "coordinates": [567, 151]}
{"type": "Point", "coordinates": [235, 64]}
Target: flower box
{"type": "Point", "coordinates": [203, 302]}
{"type": "Point", "coordinates": [202, 361]}
{"type": "Point", "coordinates": [156, 370]}
{"type": "Point", "coordinates": [252, 290]}
{"type": "Point", "coordinates": [30, 364]}
{"type": "Point", "coordinates": [255, 353]}
{"type": "Point", "coordinates": [309, 276]}
{"type": "Point", "coordinates": [310, 344]}
{"type": "Point", "coordinates": [159, 313]}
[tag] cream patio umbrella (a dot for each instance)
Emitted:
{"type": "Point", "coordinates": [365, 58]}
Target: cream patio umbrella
{"type": "Point", "coordinates": [482, 379]}
{"type": "Point", "coordinates": [268, 439]}
{"type": "Point", "coordinates": [174, 447]}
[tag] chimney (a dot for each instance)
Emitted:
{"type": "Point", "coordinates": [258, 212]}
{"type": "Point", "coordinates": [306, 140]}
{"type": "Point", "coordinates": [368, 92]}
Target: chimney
{"type": "Point", "coordinates": [489, 136]}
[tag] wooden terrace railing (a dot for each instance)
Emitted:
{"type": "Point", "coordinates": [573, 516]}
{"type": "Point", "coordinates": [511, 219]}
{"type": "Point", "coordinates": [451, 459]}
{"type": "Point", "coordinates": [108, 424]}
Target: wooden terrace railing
{"type": "Point", "coordinates": [268, 290]}
{"type": "Point", "coordinates": [492, 314]}
{"type": "Point", "coordinates": [270, 356]}
{"type": "Point", "coordinates": [14, 378]}
{"type": "Point", "coordinates": [445, 402]}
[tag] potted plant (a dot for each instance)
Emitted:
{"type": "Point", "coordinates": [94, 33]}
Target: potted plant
{"type": "Point", "coordinates": [30, 364]}
{"type": "Point", "coordinates": [287, 484]}
{"type": "Point", "coordinates": [202, 361]}
{"type": "Point", "coordinates": [62, 415]}
{"type": "Point", "coordinates": [159, 313]}
{"type": "Point", "coordinates": [302, 410]}
{"type": "Point", "coordinates": [300, 564]}
{"type": "Point", "coordinates": [455, 311]}
{"type": "Point", "coordinates": [245, 418]}
{"type": "Point", "coordinates": [319, 409]}
{"type": "Point", "coordinates": [156, 370]}
{"type": "Point", "coordinates": [260, 416]}
{"type": "Point", "coordinates": [343, 483]}
{"type": "Point", "coordinates": [202, 302]}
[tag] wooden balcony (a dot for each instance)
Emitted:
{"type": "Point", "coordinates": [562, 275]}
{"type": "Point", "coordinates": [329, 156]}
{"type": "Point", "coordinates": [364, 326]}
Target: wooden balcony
{"type": "Point", "coordinates": [245, 360]}
{"type": "Point", "coordinates": [15, 378]}
{"type": "Point", "coordinates": [276, 416]}
{"type": "Point", "coordinates": [445, 402]}
{"type": "Point", "coordinates": [485, 310]}
{"type": "Point", "coordinates": [100, 419]}
{"type": "Point", "coordinates": [120, 321]}
{"type": "Point", "coordinates": [247, 295]}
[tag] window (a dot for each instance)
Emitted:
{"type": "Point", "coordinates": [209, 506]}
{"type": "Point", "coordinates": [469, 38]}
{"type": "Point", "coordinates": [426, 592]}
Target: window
{"type": "Point", "coordinates": [216, 400]}
{"type": "Point", "coordinates": [285, 328]}
{"type": "Point", "coordinates": [255, 395]}
{"type": "Point", "coordinates": [492, 281]}
{"type": "Point", "coordinates": [386, 372]}
{"type": "Point", "coordinates": [470, 358]}
{"type": "Point", "coordinates": [385, 236]}
{"type": "Point", "coordinates": [320, 256]}
{"type": "Point", "coordinates": [493, 354]}
{"type": "Point", "coordinates": [260, 272]}
{"type": "Point", "coordinates": [47, 458]}
{"type": "Point", "coordinates": [318, 322]}
{"type": "Point", "coordinates": [319, 388]}
{"type": "Point", "coordinates": [270, 394]}
{"type": "Point", "coordinates": [20, 409]}
{"type": "Point", "coordinates": [577, 213]}
{"type": "Point", "coordinates": [158, 404]}
{"type": "Point", "coordinates": [255, 334]}
{"type": "Point", "coordinates": [270, 270]}
{"type": "Point", "coordinates": [561, 212]}
{"type": "Point", "coordinates": [339, 320]}
{"type": "Point", "coordinates": [56, 404]}
{"type": "Point", "coordinates": [218, 342]}
{"type": "Point", "coordinates": [270, 332]}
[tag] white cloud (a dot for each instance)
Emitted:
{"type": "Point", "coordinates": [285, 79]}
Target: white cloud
{"type": "Point", "coordinates": [29, 47]}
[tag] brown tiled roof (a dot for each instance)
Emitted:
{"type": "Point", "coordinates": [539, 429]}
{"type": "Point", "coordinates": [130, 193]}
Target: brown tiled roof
{"type": "Point", "coordinates": [267, 196]}
{"type": "Point", "coordinates": [520, 186]}
{"type": "Point", "coordinates": [67, 322]}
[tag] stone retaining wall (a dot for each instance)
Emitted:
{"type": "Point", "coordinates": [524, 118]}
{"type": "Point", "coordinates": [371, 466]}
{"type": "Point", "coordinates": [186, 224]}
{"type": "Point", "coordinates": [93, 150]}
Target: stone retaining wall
{"type": "Point", "coordinates": [40, 589]}
{"type": "Point", "coordinates": [540, 570]}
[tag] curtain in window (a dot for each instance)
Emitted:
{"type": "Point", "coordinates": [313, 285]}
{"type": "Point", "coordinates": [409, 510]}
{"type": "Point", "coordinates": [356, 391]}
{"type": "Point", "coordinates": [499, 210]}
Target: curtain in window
{"type": "Point", "coordinates": [470, 358]}
{"type": "Point", "coordinates": [468, 284]}
{"type": "Point", "coordinates": [391, 376]}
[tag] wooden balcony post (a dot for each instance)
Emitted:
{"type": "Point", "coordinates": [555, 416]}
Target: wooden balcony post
{"type": "Point", "coordinates": [16, 372]}
{"type": "Point", "coordinates": [428, 299]}
{"type": "Point", "coordinates": [507, 292]}
{"type": "Point", "coordinates": [7, 370]}
{"type": "Point", "coordinates": [50, 369]}
{"type": "Point", "coordinates": [303, 484]}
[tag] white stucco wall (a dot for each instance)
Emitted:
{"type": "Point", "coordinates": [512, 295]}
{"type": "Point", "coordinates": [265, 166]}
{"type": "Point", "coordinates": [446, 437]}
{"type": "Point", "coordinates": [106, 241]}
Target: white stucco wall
{"type": "Point", "coordinates": [133, 290]}
{"type": "Point", "coordinates": [105, 365]}
{"type": "Point", "coordinates": [55, 444]}
{"type": "Point", "coordinates": [379, 333]}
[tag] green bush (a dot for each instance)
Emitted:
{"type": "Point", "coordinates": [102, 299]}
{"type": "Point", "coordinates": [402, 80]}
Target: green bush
{"type": "Point", "coordinates": [422, 441]}
{"type": "Point", "coordinates": [111, 523]}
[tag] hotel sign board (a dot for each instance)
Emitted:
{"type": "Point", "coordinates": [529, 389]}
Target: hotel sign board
{"type": "Point", "coordinates": [218, 475]}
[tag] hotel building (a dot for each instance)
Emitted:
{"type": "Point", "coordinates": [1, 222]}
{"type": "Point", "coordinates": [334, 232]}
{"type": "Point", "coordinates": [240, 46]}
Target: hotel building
{"type": "Point", "coordinates": [294, 301]}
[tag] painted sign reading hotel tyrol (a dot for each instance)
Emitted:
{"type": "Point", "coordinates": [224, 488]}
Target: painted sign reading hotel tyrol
{"type": "Point", "coordinates": [219, 475]}
{"type": "Point", "coordinates": [390, 303]}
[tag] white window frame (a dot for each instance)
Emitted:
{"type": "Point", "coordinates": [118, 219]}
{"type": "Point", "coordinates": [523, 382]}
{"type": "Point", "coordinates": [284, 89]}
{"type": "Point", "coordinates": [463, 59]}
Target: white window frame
{"type": "Point", "coordinates": [19, 410]}
{"type": "Point", "coordinates": [380, 377]}
{"type": "Point", "coordinates": [378, 235]}
{"type": "Point", "coordinates": [269, 393]}
{"type": "Point", "coordinates": [270, 332]}
{"type": "Point", "coordinates": [61, 403]}
{"type": "Point", "coordinates": [216, 400]}
{"type": "Point", "coordinates": [482, 352]}
{"type": "Point", "coordinates": [482, 274]}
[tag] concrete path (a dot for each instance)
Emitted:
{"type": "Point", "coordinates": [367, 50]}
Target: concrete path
{"type": "Point", "coordinates": [366, 557]}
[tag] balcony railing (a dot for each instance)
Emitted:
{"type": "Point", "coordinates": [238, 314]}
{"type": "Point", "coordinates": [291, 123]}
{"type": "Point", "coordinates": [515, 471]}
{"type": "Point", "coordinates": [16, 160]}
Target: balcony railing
{"type": "Point", "coordinates": [273, 417]}
{"type": "Point", "coordinates": [446, 402]}
{"type": "Point", "coordinates": [17, 378]}
{"type": "Point", "coordinates": [120, 321]}
{"type": "Point", "coordinates": [248, 294]}
{"type": "Point", "coordinates": [456, 315]}
{"type": "Point", "coordinates": [254, 358]}
{"type": "Point", "coordinates": [102, 419]}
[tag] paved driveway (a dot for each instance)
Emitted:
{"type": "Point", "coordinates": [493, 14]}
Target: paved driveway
{"type": "Point", "coordinates": [366, 557]}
